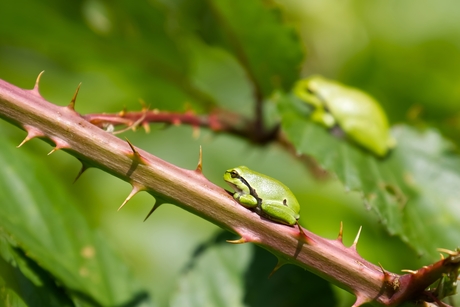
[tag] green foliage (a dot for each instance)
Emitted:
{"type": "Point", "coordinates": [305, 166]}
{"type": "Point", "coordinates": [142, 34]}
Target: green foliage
{"type": "Point", "coordinates": [415, 183]}
{"type": "Point", "coordinates": [43, 233]}
{"type": "Point", "coordinates": [202, 55]}
{"type": "Point", "coordinates": [246, 281]}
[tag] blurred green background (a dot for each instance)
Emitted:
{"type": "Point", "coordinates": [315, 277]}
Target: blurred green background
{"type": "Point", "coordinates": [405, 53]}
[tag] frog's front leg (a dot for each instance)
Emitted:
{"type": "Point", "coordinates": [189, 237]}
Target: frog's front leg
{"type": "Point", "coordinates": [279, 212]}
{"type": "Point", "coordinates": [247, 200]}
{"type": "Point", "coordinates": [321, 116]}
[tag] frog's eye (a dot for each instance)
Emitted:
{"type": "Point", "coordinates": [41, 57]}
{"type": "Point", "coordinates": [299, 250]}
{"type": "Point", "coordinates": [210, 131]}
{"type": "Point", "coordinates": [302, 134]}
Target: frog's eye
{"type": "Point", "coordinates": [310, 90]}
{"type": "Point", "coordinates": [234, 174]}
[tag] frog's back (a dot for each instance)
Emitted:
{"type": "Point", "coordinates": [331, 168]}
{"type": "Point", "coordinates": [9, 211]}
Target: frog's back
{"type": "Point", "coordinates": [271, 188]}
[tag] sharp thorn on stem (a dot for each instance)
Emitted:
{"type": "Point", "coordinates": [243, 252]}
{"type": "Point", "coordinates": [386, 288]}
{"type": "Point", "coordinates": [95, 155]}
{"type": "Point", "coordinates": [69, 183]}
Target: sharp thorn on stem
{"type": "Point", "coordinates": [355, 242]}
{"type": "Point", "coordinates": [199, 167]}
{"type": "Point", "coordinates": [155, 207]}
{"type": "Point", "coordinates": [135, 154]}
{"type": "Point", "coordinates": [136, 189]}
{"type": "Point", "coordinates": [25, 140]}
{"type": "Point", "coordinates": [31, 133]}
{"type": "Point", "coordinates": [71, 105]}
{"type": "Point", "coordinates": [447, 251]}
{"type": "Point", "coordinates": [83, 168]}
{"type": "Point", "coordinates": [36, 88]}
{"type": "Point", "coordinates": [304, 235]}
{"type": "Point", "coordinates": [409, 271]}
{"type": "Point", "coordinates": [53, 150]}
{"type": "Point", "coordinates": [340, 237]}
{"type": "Point", "coordinates": [238, 241]}
{"type": "Point", "coordinates": [278, 265]}
{"type": "Point", "coordinates": [359, 301]}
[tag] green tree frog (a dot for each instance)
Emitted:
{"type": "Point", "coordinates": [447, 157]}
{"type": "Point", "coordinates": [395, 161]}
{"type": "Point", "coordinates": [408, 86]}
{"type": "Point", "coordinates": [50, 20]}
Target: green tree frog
{"type": "Point", "coordinates": [266, 196]}
{"type": "Point", "coordinates": [359, 115]}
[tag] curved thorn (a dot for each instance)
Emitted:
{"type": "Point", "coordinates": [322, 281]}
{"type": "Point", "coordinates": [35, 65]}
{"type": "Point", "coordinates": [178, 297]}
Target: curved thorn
{"type": "Point", "coordinates": [308, 240]}
{"type": "Point", "coordinates": [239, 241]}
{"type": "Point", "coordinates": [447, 251]}
{"type": "Point", "coordinates": [53, 150]}
{"type": "Point", "coordinates": [37, 82]}
{"type": "Point", "coordinates": [199, 167]}
{"type": "Point", "coordinates": [340, 237]}
{"type": "Point", "coordinates": [355, 242]}
{"type": "Point", "coordinates": [359, 301]}
{"type": "Point", "coordinates": [155, 207]}
{"type": "Point", "coordinates": [276, 268]}
{"type": "Point", "coordinates": [31, 133]}
{"type": "Point", "coordinates": [146, 127]}
{"type": "Point", "coordinates": [410, 271]}
{"type": "Point", "coordinates": [132, 147]}
{"type": "Point", "coordinates": [385, 273]}
{"type": "Point", "coordinates": [25, 140]}
{"type": "Point", "coordinates": [83, 168]}
{"type": "Point", "coordinates": [383, 270]}
{"type": "Point", "coordinates": [136, 155]}
{"type": "Point", "coordinates": [136, 189]}
{"type": "Point", "coordinates": [71, 105]}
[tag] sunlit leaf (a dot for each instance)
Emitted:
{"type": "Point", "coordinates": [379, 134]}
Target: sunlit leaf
{"type": "Point", "coordinates": [414, 189]}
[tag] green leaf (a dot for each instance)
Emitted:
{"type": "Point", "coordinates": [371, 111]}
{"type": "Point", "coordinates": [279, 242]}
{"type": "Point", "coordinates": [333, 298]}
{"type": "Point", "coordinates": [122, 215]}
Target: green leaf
{"type": "Point", "coordinates": [127, 48]}
{"type": "Point", "coordinates": [46, 224]}
{"type": "Point", "coordinates": [254, 32]}
{"type": "Point", "coordinates": [25, 283]}
{"type": "Point", "coordinates": [222, 274]}
{"type": "Point", "coordinates": [414, 190]}
{"type": "Point", "coordinates": [216, 72]}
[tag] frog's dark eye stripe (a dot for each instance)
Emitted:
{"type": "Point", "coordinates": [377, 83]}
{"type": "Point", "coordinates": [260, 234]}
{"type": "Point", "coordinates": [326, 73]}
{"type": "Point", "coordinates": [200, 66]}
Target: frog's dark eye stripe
{"type": "Point", "coordinates": [245, 183]}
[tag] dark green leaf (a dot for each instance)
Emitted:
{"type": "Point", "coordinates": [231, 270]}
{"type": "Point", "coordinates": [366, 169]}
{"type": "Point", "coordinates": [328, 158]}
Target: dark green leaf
{"type": "Point", "coordinates": [222, 274]}
{"type": "Point", "coordinates": [268, 49]}
{"type": "Point", "coordinates": [37, 212]}
{"type": "Point", "coordinates": [125, 43]}
{"type": "Point", "coordinates": [414, 189]}
{"type": "Point", "coordinates": [24, 282]}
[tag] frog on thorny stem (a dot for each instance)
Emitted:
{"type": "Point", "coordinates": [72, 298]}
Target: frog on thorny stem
{"type": "Point", "coordinates": [264, 195]}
